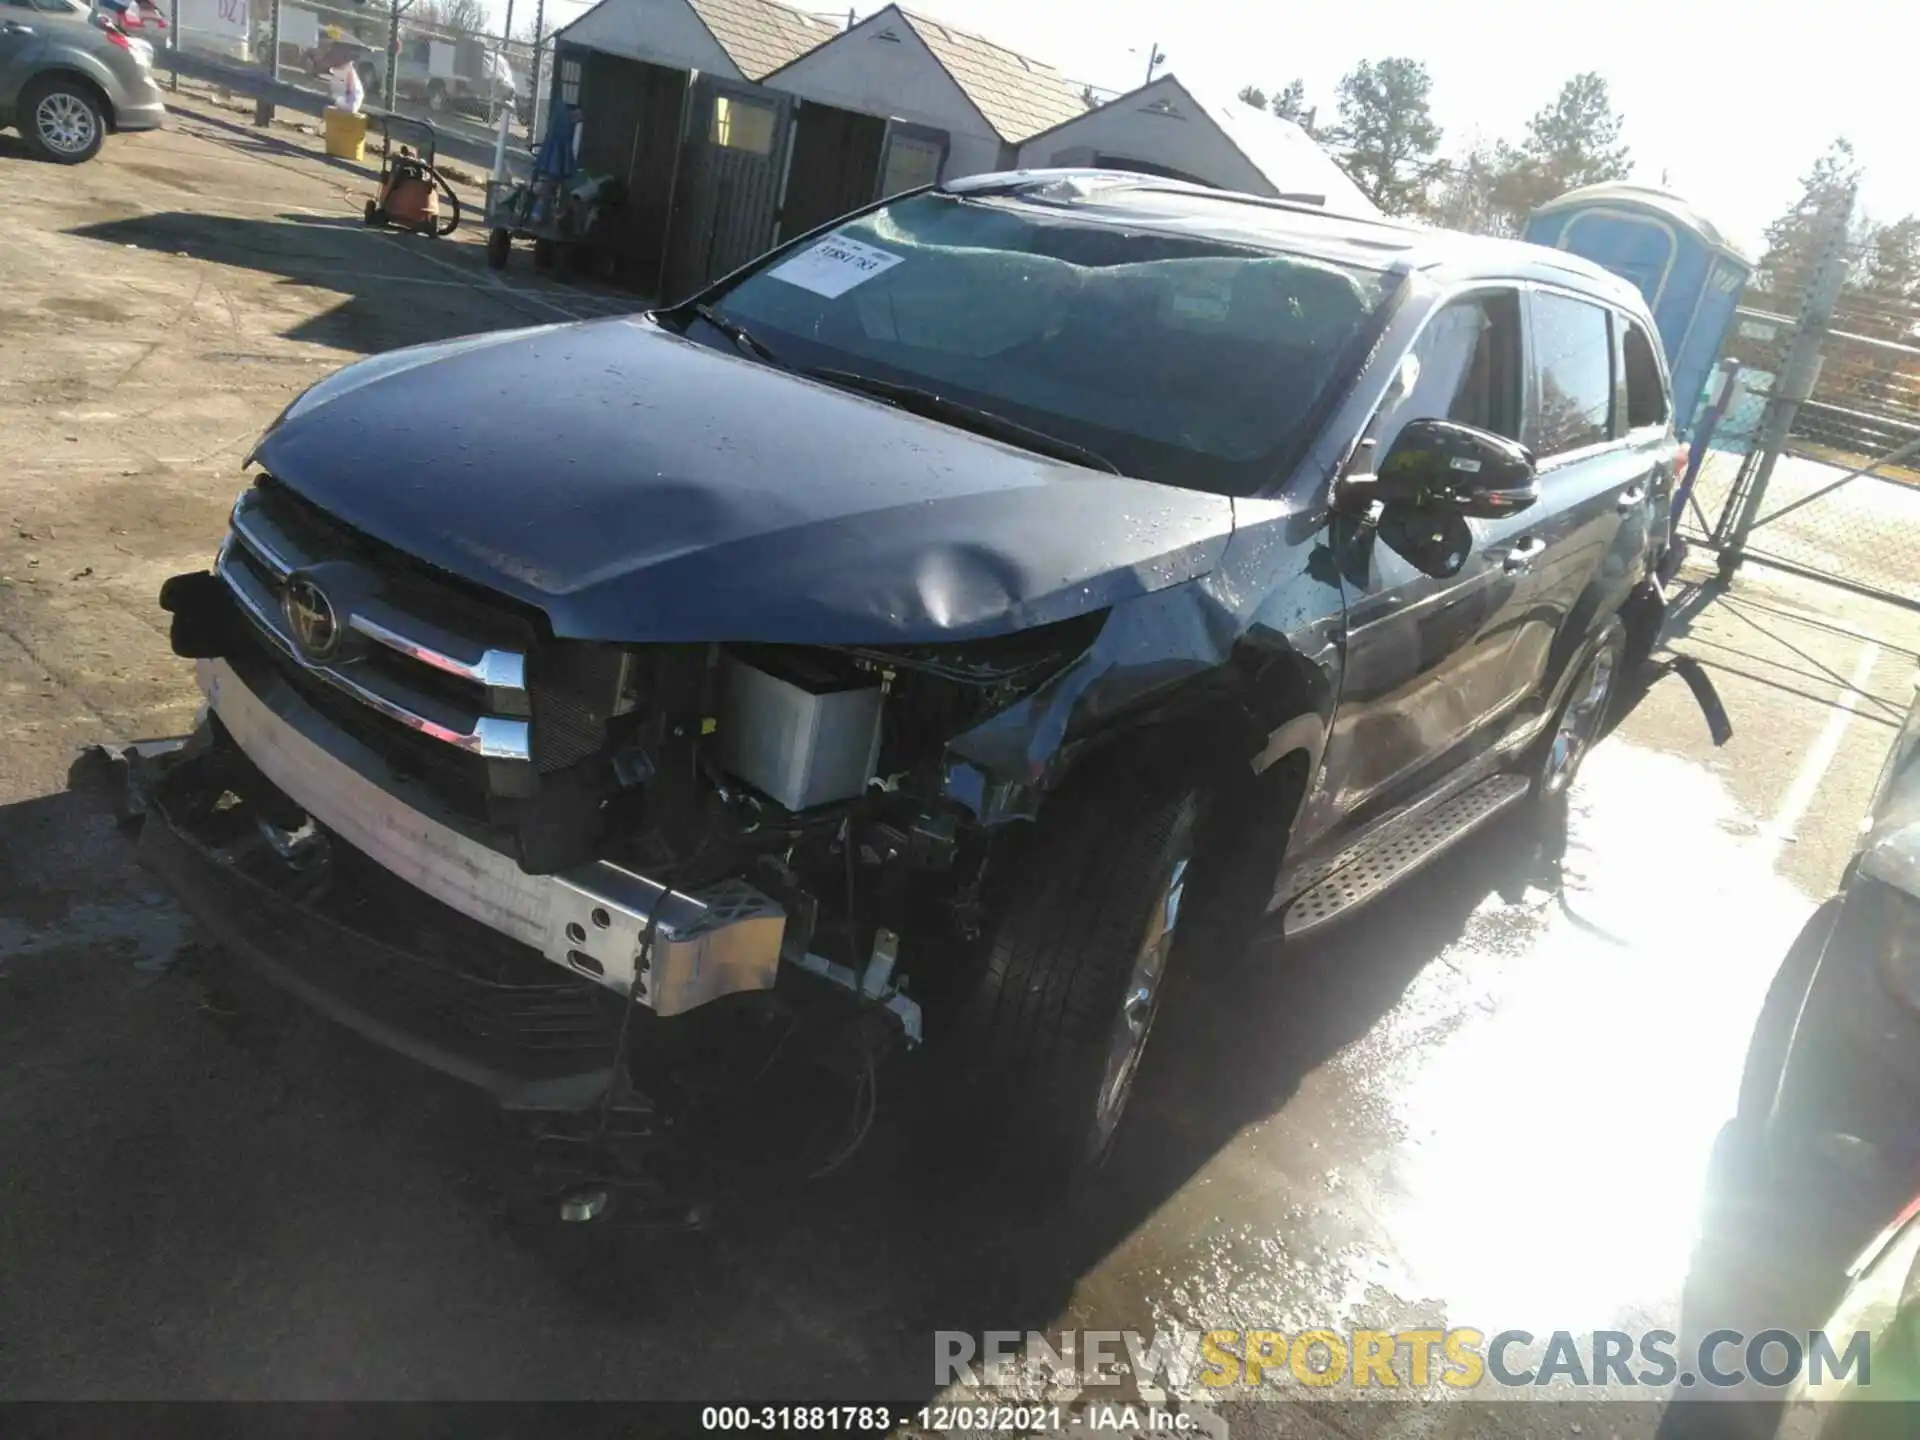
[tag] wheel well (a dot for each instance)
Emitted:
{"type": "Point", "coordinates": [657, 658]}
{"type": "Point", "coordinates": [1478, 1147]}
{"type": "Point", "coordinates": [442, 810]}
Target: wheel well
{"type": "Point", "coordinates": [82, 81]}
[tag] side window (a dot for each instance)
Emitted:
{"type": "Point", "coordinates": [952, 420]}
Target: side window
{"type": "Point", "coordinates": [1573, 371]}
{"type": "Point", "coordinates": [1646, 391]}
{"type": "Point", "coordinates": [1465, 366]}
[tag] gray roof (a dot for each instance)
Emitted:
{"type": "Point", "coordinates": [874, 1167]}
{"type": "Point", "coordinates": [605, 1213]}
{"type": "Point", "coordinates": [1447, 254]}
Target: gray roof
{"type": "Point", "coordinates": [1019, 96]}
{"type": "Point", "coordinates": [760, 36]}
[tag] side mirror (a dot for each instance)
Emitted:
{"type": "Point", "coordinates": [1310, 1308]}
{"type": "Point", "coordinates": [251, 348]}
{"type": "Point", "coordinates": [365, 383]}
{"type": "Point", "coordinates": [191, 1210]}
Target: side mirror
{"type": "Point", "coordinates": [1443, 465]}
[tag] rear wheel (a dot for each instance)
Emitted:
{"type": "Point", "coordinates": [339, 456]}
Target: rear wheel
{"type": "Point", "coordinates": [373, 215]}
{"type": "Point", "coordinates": [499, 246]}
{"type": "Point", "coordinates": [62, 120]}
{"type": "Point", "coordinates": [1582, 717]}
{"type": "Point", "coordinates": [543, 254]}
{"type": "Point", "coordinates": [1053, 1036]}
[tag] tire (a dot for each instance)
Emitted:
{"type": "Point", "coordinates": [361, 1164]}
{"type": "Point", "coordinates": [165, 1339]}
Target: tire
{"type": "Point", "coordinates": [543, 254]}
{"type": "Point", "coordinates": [373, 212]}
{"type": "Point", "coordinates": [1049, 1042]}
{"type": "Point", "coordinates": [62, 120]}
{"type": "Point", "coordinates": [1772, 1037]}
{"type": "Point", "coordinates": [1582, 716]}
{"type": "Point", "coordinates": [568, 261]}
{"type": "Point", "coordinates": [499, 246]}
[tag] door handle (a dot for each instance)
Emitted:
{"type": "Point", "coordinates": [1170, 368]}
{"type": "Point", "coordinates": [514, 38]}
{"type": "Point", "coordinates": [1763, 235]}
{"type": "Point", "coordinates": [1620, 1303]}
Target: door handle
{"type": "Point", "coordinates": [1522, 555]}
{"type": "Point", "coordinates": [1630, 497]}
{"type": "Point", "coordinates": [14, 27]}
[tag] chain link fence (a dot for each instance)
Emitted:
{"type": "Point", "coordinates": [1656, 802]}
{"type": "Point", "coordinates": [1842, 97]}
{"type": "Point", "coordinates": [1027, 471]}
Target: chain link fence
{"type": "Point", "coordinates": [429, 58]}
{"type": "Point", "coordinates": [1816, 466]}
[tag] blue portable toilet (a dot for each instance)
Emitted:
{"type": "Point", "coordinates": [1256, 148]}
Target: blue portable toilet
{"type": "Point", "coordinates": [1692, 277]}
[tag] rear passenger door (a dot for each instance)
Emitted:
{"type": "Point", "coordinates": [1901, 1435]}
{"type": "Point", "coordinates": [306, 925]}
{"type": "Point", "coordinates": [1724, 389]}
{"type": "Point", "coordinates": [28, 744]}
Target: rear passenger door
{"type": "Point", "coordinates": [1588, 473]}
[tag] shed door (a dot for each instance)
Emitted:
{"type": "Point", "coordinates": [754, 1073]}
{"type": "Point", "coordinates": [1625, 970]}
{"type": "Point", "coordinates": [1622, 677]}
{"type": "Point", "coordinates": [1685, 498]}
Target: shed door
{"type": "Point", "coordinates": [914, 156]}
{"type": "Point", "coordinates": [733, 169]}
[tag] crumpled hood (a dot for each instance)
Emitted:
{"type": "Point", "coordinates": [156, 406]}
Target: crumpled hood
{"type": "Point", "coordinates": [638, 486]}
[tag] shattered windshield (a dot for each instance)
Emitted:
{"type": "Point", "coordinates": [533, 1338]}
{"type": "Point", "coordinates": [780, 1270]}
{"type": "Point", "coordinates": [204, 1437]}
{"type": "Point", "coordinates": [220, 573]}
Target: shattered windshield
{"type": "Point", "coordinates": [1181, 359]}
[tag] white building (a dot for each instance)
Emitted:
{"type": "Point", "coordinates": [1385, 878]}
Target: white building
{"type": "Point", "coordinates": [1163, 128]}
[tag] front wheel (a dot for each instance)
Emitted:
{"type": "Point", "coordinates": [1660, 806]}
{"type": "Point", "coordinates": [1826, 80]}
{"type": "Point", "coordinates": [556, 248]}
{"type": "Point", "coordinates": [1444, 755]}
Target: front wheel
{"type": "Point", "coordinates": [1052, 1038]}
{"type": "Point", "coordinates": [499, 246]}
{"type": "Point", "coordinates": [62, 120]}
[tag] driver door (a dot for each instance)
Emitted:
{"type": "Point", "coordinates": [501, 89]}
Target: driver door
{"type": "Point", "coordinates": [1430, 656]}
{"type": "Point", "coordinates": [21, 36]}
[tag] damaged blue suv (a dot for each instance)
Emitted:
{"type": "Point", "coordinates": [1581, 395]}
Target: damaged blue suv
{"type": "Point", "coordinates": [958, 617]}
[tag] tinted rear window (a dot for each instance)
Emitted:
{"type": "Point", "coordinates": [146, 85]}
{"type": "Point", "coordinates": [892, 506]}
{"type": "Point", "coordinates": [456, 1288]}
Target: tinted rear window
{"type": "Point", "coordinates": [1573, 372]}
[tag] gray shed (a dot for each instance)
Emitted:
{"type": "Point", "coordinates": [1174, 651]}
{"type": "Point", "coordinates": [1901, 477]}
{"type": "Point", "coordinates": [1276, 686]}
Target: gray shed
{"type": "Point", "coordinates": [1164, 128]}
{"type": "Point", "coordinates": [669, 103]}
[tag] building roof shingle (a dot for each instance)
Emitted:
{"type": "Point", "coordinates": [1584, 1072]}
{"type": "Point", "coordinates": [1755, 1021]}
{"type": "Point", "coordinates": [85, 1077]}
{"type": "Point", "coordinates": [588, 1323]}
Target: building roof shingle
{"type": "Point", "coordinates": [760, 36]}
{"type": "Point", "coordinates": [1018, 95]}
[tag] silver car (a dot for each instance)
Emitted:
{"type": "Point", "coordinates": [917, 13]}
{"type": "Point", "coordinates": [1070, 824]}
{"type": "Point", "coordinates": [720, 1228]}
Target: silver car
{"type": "Point", "coordinates": [67, 77]}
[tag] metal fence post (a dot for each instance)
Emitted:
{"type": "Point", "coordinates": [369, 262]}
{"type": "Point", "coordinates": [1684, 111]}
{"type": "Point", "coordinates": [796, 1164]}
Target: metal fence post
{"type": "Point", "coordinates": [173, 46]}
{"type": "Point", "coordinates": [1797, 376]}
{"type": "Point", "coordinates": [538, 129]}
{"type": "Point", "coordinates": [393, 57]}
{"type": "Point", "coordinates": [263, 107]}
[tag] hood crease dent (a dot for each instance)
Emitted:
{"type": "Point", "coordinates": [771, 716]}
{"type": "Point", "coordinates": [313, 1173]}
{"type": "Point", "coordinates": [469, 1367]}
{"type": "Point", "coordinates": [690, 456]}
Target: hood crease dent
{"type": "Point", "coordinates": [636, 486]}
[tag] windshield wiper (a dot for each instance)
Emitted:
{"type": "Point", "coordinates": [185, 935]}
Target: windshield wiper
{"type": "Point", "coordinates": [742, 338]}
{"type": "Point", "coordinates": [968, 417]}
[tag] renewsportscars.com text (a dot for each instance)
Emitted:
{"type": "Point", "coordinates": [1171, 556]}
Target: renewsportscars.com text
{"type": "Point", "coordinates": [1191, 1362]}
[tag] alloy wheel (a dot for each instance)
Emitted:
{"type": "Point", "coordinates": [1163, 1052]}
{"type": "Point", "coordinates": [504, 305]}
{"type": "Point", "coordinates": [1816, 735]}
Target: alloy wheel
{"type": "Point", "coordinates": [1580, 721]}
{"type": "Point", "coordinates": [65, 122]}
{"type": "Point", "coordinates": [1139, 1004]}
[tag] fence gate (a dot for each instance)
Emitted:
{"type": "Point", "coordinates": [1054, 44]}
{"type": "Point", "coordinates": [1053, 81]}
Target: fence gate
{"type": "Point", "coordinates": [1829, 423]}
{"type": "Point", "coordinates": [733, 168]}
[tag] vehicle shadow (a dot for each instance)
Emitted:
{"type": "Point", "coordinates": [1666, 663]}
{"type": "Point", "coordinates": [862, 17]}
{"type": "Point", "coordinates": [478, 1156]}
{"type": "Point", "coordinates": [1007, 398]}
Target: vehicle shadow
{"type": "Point", "coordinates": [841, 1282]}
{"type": "Point", "coordinates": [393, 293]}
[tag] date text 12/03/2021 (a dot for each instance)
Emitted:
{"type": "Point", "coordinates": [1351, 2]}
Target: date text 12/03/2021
{"type": "Point", "coordinates": [975, 1418]}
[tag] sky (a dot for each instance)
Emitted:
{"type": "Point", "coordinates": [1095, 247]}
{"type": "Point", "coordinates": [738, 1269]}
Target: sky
{"type": "Point", "coordinates": [1730, 103]}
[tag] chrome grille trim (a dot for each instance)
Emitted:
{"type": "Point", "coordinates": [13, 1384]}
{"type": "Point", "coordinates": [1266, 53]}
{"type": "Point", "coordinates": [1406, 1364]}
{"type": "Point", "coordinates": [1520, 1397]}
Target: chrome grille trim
{"type": "Point", "coordinates": [492, 737]}
{"type": "Point", "coordinates": [409, 635]}
{"type": "Point", "coordinates": [496, 669]}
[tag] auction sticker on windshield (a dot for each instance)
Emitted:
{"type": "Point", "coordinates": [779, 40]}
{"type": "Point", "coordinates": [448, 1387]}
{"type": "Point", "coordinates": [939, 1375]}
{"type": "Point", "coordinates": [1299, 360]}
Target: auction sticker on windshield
{"type": "Point", "coordinates": [835, 266]}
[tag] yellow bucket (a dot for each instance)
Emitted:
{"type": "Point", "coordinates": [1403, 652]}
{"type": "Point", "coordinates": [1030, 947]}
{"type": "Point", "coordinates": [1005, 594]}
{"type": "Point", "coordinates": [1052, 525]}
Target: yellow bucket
{"type": "Point", "coordinates": [346, 134]}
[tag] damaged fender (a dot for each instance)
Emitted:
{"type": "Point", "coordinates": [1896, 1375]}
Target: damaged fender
{"type": "Point", "coordinates": [1266, 621]}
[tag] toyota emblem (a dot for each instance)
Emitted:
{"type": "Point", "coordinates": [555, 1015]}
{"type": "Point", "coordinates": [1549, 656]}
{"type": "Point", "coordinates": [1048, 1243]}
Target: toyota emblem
{"type": "Point", "coordinates": [310, 618]}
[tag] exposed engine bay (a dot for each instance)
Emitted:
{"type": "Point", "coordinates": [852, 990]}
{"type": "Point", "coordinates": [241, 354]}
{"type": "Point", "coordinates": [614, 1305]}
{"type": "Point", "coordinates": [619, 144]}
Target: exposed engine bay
{"type": "Point", "coordinates": [672, 822]}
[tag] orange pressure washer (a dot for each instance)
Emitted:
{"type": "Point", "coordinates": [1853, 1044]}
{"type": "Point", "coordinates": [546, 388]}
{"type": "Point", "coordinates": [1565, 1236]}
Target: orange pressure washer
{"type": "Point", "coordinates": [410, 188]}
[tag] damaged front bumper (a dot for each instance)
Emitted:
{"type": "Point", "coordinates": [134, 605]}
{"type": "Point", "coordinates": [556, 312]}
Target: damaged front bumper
{"type": "Point", "coordinates": [511, 981]}
{"type": "Point", "coordinates": [670, 950]}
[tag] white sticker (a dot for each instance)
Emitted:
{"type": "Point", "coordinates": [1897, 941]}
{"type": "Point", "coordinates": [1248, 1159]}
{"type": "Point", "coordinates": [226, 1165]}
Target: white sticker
{"type": "Point", "coordinates": [835, 266]}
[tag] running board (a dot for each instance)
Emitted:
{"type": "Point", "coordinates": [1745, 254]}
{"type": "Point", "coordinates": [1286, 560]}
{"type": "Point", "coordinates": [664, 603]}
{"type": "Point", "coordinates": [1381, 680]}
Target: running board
{"type": "Point", "coordinates": [1394, 852]}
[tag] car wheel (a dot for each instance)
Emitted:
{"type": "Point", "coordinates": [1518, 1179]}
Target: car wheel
{"type": "Point", "coordinates": [1582, 717]}
{"type": "Point", "coordinates": [543, 254]}
{"type": "Point", "coordinates": [62, 120]}
{"type": "Point", "coordinates": [1051, 1039]}
{"type": "Point", "coordinates": [1772, 1037]}
{"type": "Point", "coordinates": [499, 246]}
